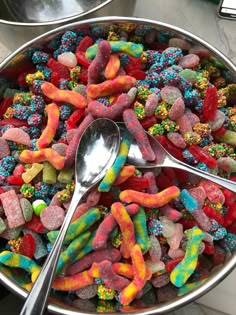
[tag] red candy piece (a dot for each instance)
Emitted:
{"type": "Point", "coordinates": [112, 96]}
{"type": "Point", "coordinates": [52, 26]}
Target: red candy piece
{"type": "Point", "coordinates": [214, 214]}
{"type": "Point", "coordinates": [84, 44]}
{"type": "Point", "coordinates": [5, 103]}
{"type": "Point", "coordinates": [210, 103]}
{"type": "Point", "coordinates": [106, 199]}
{"type": "Point", "coordinates": [27, 246]}
{"type": "Point", "coordinates": [202, 155]}
{"type": "Point", "coordinates": [84, 75]}
{"type": "Point", "coordinates": [232, 228]}
{"type": "Point", "coordinates": [135, 183]}
{"type": "Point", "coordinates": [74, 118]}
{"type": "Point", "coordinates": [221, 131]}
{"type": "Point", "coordinates": [62, 70]}
{"type": "Point", "coordinates": [188, 223]}
{"type": "Point", "coordinates": [15, 180]}
{"type": "Point", "coordinates": [82, 60]}
{"type": "Point", "coordinates": [14, 122]}
{"type": "Point", "coordinates": [163, 181]}
{"type": "Point", "coordinates": [171, 264]}
{"type": "Point", "coordinates": [134, 64]}
{"type": "Point", "coordinates": [34, 224]}
{"type": "Point", "coordinates": [52, 217]}
{"type": "Point", "coordinates": [209, 248]}
{"type": "Point", "coordinates": [137, 74]}
{"type": "Point", "coordinates": [148, 122]}
{"type": "Point", "coordinates": [230, 197]}
{"type": "Point", "coordinates": [181, 175]}
{"type": "Point", "coordinates": [55, 77]}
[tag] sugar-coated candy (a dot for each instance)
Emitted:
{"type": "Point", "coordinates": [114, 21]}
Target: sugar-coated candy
{"type": "Point", "coordinates": [67, 59]}
{"type": "Point", "coordinates": [79, 226]}
{"type": "Point", "coordinates": [18, 135]}
{"type": "Point", "coordinates": [49, 173]}
{"type": "Point", "coordinates": [49, 131]}
{"type": "Point", "coordinates": [186, 267]}
{"type": "Point", "coordinates": [113, 172]}
{"type": "Point", "coordinates": [5, 149]}
{"type": "Point", "coordinates": [71, 283]}
{"type": "Point", "coordinates": [126, 172]}
{"type": "Point", "coordinates": [135, 50]}
{"type": "Point", "coordinates": [110, 278]}
{"type": "Point", "coordinates": [139, 134]}
{"type": "Point", "coordinates": [42, 155]}
{"type": "Point", "coordinates": [98, 256]}
{"type": "Point", "coordinates": [27, 245]}
{"type": "Point", "coordinates": [115, 111]}
{"type": "Point", "coordinates": [2, 226]}
{"type": "Point", "coordinates": [27, 209]}
{"type": "Point", "coordinates": [127, 228]}
{"type": "Point", "coordinates": [74, 98]}
{"type": "Point", "coordinates": [140, 228]}
{"type": "Point", "coordinates": [175, 239]}
{"type": "Point", "coordinates": [32, 172]}
{"type": "Point", "coordinates": [52, 217]}
{"type": "Point", "coordinates": [152, 187]}
{"type": "Point", "coordinates": [155, 249]}
{"type": "Point", "coordinates": [99, 63]}
{"type": "Point", "coordinates": [12, 208]}
{"type": "Point", "coordinates": [120, 84]}
{"type": "Point", "coordinates": [150, 200]}
{"type": "Point", "coordinates": [189, 61]}
{"type": "Point", "coordinates": [177, 109]}
{"type": "Point", "coordinates": [161, 280]}
{"type": "Point", "coordinates": [67, 255]}
{"type": "Point", "coordinates": [210, 103]}
{"type": "Point", "coordinates": [128, 293]}
{"type": "Point", "coordinates": [112, 67]}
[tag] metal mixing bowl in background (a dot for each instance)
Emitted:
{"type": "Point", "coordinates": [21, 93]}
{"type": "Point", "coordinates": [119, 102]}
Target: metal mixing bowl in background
{"type": "Point", "coordinates": [18, 62]}
{"type": "Point", "coordinates": [22, 20]}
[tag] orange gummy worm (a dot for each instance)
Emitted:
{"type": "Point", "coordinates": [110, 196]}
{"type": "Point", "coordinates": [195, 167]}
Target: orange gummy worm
{"type": "Point", "coordinates": [57, 95]}
{"type": "Point", "coordinates": [112, 67]}
{"type": "Point", "coordinates": [150, 200]}
{"type": "Point", "coordinates": [120, 84]}
{"type": "Point", "coordinates": [127, 228]}
{"type": "Point", "coordinates": [50, 130]}
{"type": "Point", "coordinates": [28, 156]}
{"type": "Point", "coordinates": [72, 283]}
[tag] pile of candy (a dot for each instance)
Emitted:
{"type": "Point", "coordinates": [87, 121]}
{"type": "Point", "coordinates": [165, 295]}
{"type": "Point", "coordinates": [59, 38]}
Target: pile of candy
{"type": "Point", "coordinates": [140, 237]}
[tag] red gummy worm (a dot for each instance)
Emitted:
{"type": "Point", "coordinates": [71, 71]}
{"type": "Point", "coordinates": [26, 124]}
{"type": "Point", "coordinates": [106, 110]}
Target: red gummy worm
{"type": "Point", "coordinates": [113, 112]}
{"type": "Point", "coordinates": [107, 225]}
{"type": "Point", "coordinates": [210, 103]}
{"type": "Point", "coordinates": [84, 44]}
{"type": "Point", "coordinates": [49, 131]}
{"type": "Point", "coordinates": [203, 156]}
{"type": "Point", "coordinates": [113, 66]}
{"type": "Point", "coordinates": [110, 278]}
{"type": "Point", "coordinates": [150, 200]}
{"type": "Point", "coordinates": [112, 255]}
{"type": "Point", "coordinates": [74, 98]}
{"type": "Point", "coordinates": [72, 283]}
{"type": "Point", "coordinates": [99, 62]}
{"type": "Point", "coordinates": [71, 149]}
{"type": "Point", "coordinates": [126, 226]}
{"type": "Point", "coordinates": [74, 118]}
{"type": "Point", "coordinates": [135, 128]}
{"type": "Point", "coordinates": [118, 85]}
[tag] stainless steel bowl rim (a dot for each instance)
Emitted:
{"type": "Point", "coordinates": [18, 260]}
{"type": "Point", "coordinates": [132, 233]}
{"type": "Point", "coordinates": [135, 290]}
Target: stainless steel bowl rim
{"type": "Point", "coordinates": [62, 21]}
{"type": "Point", "coordinates": [220, 274]}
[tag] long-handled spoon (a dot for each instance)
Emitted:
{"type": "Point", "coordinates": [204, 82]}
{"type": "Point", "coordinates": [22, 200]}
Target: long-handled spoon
{"type": "Point", "coordinates": [165, 159]}
{"type": "Point", "coordinates": [96, 153]}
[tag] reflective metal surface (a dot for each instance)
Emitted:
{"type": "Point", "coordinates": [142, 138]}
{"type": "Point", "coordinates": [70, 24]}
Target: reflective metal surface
{"type": "Point", "coordinates": [101, 139]}
{"type": "Point", "coordinates": [17, 62]}
{"type": "Point", "coordinates": [165, 159]}
{"type": "Point", "coordinates": [21, 21]}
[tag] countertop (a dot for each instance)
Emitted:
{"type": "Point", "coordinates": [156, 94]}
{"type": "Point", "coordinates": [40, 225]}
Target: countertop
{"type": "Point", "coordinates": [200, 18]}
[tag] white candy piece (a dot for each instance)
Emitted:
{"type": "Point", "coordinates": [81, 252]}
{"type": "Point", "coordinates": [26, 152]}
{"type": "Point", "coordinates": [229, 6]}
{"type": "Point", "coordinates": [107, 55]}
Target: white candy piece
{"type": "Point", "coordinates": [68, 59]}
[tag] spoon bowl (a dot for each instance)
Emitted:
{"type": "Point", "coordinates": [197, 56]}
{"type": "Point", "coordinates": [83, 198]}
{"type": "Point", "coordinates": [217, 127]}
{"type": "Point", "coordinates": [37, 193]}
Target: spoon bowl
{"type": "Point", "coordinates": [96, 152]}
{"type": "Point", "coordinates": [165, 159]}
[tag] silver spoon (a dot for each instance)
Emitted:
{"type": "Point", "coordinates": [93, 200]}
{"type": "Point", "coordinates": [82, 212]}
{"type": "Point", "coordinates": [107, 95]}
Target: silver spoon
{"type": "Point", "coordinates": [96, 152]}
{"type": "Point", "coordinates": [165, 159]}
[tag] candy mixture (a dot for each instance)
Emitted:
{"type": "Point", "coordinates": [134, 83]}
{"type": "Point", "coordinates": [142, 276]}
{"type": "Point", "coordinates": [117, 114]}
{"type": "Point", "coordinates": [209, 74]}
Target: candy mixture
{"type": "Point", "coordinates": [140, 237]}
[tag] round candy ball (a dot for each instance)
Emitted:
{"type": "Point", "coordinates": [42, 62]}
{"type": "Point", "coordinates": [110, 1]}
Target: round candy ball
{"type": "Point", "coordinates": [38, 205]}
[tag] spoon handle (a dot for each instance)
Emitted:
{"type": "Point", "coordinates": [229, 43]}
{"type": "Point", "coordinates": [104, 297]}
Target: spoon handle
{"type": "Point", "coordinates": [230, 185]}
{"type": "Point", "coordinates": [37, 298]}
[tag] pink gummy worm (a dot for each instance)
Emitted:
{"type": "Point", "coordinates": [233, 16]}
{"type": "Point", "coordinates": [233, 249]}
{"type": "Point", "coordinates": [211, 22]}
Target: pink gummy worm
{"type": "Point", "coordinates": [135, 128]}
{"type": "Point", "coordinates": [71, 149]}
{"type": "Point", "coordinates": [107, 225]}
{"type": "Point", "coordinates": [110, 278]}
{"type": "Point", "coordinates": [99, 62]}
{"type": "Point", "coordinates": [150, 200]}
{"type": "Point", "coordinates": [112, 255]}
{"type": "Point", "coordinates": [151, 104]}
{"type": "Point", "coordinates": [113, 112]}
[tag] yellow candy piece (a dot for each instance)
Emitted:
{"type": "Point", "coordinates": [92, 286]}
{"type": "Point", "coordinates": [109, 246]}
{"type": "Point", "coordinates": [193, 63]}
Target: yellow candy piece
{"type": "Point", "coordinates": [32, 172]}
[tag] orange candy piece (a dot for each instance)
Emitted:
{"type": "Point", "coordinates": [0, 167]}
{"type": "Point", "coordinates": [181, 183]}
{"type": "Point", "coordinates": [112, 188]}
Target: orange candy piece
{"type": "Point", "coordinates": [49, 131]}
{"type": "Point", "coordinates": [112, 67]}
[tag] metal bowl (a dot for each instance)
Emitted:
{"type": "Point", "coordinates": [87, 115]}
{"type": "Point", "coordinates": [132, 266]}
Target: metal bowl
{"type": "Point", "coordinates": [21, 21]}
{"type": "Point", "coordinates": [17, 62]}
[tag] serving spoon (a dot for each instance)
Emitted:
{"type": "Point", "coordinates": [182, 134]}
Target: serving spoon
{"type": "Point", "coordinates": [165, 159]}
{"type": "Point", "coordinates": [96, 152]}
